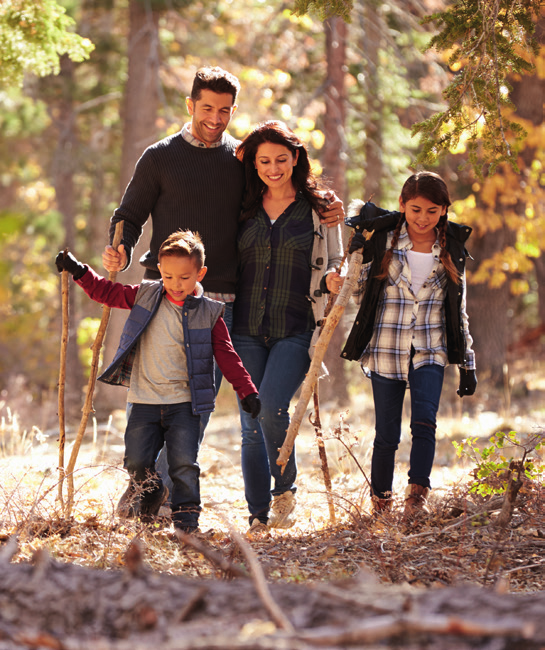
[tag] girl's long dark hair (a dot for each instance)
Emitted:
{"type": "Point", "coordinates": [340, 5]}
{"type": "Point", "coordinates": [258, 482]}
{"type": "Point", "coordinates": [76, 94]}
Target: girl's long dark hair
{"type": "Point", "coordinates": [431, 186]}
{"type": "Point", "coordinates": [303, 179]}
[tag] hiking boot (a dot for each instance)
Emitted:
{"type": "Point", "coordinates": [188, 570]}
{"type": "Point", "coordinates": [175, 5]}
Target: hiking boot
{"type": "Point", "coordinates": [128, 505]}
{"type": "Point", "coordinates": [151, 504]}
{"type": "Point", "coordinates": [258, 528]}
{"type": "Point", "coordinates": [381, 506]}
{"type": "Point", "coordinates": [282, 507]}
{"type": "Point", "coordinates": [415, 500]}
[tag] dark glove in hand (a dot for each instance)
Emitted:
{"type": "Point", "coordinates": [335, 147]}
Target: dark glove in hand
{"type": "Point", "coordinates": [468, 382]}
{"type": "Point", "coordinates": [358, 241]}
{"type": "Point", "coordinates": [70, 264]}
{"type": "Point", "coordinates": [251, 404]}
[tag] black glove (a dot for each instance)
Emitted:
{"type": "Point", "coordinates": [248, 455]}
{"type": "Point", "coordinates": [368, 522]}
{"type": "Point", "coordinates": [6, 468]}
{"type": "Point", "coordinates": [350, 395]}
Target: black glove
{"type": "Point", "coordinates": [358, 241]}
{"type": "Point", "coordinates": [70, 264]}
{"type": "Point", "coordinates": [251, 404]}
{"type": "Point", "coordinates": [468, 382]}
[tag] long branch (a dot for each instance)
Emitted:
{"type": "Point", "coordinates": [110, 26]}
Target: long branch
{"type": "Point", "coordinates": [307, 388]}
{"type": "Point", "coordinates": [88, 405]}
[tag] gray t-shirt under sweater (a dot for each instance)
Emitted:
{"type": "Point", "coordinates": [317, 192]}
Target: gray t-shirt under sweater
{"type": "Point", "coordinates": [159, 374]}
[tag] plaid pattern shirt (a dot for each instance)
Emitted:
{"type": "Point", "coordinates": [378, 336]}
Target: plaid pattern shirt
{"type": "Point", "coordinates": [405, 321]}
{"type": "Point", "coordinates": [274, 274]}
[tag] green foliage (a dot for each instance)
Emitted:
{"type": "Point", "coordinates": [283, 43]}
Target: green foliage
{"type": "Point", "coordinates": [33, 35]}
{"type": "Point", "coordinates": [324, 8]}
{"type": "Point", "coordinates": [492, 462]}
{"type": "Point", "coordinates": [484, 43]}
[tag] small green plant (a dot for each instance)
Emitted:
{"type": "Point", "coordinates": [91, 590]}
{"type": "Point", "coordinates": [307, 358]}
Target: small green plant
{"type": "Point", "coordinates": [492, 462]}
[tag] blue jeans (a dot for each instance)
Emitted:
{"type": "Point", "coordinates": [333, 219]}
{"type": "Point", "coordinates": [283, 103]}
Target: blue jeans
{"type": "Point", "coordinates": [150, 426]}
{"type": "Point", "coordinates": [161, 466]}
{"type": "Point", "coordinates": [277, 367]}
{"type": "Point", "coordinates": [426, 384]}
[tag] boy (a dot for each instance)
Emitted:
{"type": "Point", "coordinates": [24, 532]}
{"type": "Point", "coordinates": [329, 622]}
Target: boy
{"type": "Point", "coordinates": [165, 356]}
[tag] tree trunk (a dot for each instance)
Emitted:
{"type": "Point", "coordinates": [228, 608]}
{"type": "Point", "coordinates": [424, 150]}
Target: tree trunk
{"type": "Point", "coordinates": [488, 308]}
{"type": "Point", "coordinates": [140, 106]}
{"type": "Point", "coordinates": [370, 30]}
{"type": "Point", "coordinates": [63, 180]}
{"type": "Point", "coordinates": [334, 388]}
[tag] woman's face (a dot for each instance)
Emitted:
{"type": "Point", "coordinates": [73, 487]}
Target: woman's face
{"type": "Point", "coordinates": [274, 164]}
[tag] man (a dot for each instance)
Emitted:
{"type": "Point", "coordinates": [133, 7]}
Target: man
{"type": "Point", "coordinates": [193, 180]}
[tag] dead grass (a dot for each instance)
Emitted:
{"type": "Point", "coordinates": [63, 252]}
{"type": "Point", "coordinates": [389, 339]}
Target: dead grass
{"type": "Point", "coordinates": [445, 548]}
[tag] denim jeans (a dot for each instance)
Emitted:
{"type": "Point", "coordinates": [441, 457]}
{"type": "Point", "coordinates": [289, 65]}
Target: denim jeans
{"type": "Point", "coordinates": [425, 384]}
{"type": "Point", "coordinates": [150, 426]}
{"type": "Point", "coordinates": [277, 367]}
{"type": "Point", "coordinates": [161, 466]}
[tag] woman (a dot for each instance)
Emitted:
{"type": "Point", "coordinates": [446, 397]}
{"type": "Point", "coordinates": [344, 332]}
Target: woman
{"type": "Point", "coordinates": [288, 261]}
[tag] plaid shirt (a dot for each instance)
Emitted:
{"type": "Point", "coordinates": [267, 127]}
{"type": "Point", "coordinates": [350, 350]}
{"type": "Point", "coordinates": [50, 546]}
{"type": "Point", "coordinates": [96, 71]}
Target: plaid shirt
{"type": "Point", "coordinates": [274, 274]}
{"type": "Point", "coordinates": [406, 321]}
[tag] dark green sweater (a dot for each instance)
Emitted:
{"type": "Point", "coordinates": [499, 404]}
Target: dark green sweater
{"type": "Point", "coordinates": [188, 187]}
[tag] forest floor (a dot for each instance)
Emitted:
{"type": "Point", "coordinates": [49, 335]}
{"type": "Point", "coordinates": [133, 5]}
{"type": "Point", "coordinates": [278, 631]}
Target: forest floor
{"type": "Point", "coordinates": [457, 543]}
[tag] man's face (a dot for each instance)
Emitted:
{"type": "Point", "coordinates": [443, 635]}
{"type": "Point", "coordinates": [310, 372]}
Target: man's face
{"type": "Point", "coordinates": [210, 115]}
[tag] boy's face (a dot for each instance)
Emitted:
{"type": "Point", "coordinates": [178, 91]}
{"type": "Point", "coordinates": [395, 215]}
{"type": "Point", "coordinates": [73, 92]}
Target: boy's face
{"type": "Point", "coordinates": [180, 275]}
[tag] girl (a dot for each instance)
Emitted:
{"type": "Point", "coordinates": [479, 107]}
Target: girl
{"type": "Point", "coordinates": [411, 322]}
{"type": "Point", "coordinates": [286, 268]}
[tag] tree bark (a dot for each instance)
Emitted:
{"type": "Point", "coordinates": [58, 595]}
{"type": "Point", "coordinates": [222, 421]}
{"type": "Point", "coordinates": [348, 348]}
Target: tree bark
{"type": "Point", "coordinates": [140, 107]}
{"type": "Point", "coordinates": [62, 110]}
{"type": "Point", "coordinates": [334, 387]}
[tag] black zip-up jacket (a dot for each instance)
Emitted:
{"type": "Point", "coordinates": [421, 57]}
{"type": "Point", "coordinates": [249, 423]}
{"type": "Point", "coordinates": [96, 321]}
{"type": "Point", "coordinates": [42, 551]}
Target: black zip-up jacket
{"type": "Point", "coordinates": [372, 218]}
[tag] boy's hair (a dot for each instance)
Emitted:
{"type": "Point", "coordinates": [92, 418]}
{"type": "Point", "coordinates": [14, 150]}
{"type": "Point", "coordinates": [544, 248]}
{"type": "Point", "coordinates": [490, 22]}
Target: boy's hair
{"type": "Point", "coordinates": [184, 243]}
{"type": "Point", "coordinates": [215, 79]}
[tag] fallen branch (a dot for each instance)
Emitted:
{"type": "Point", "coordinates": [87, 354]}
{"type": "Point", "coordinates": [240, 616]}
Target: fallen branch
{"type": "Point", "coordinates": [277, 615]}
{"type": "Point", "coordinates": [88, 405]}
{"type": "Point", "coordinates": [384, 627]}
{"type": "Point", "coordinates": [215, 558]}
{"type": "Point", "coordinates": [320, 348]}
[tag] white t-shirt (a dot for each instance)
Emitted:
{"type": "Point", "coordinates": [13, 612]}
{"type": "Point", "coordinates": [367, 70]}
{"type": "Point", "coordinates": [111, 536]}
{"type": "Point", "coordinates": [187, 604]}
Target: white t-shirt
{"type": "Point", "coordinates": [421, 265]}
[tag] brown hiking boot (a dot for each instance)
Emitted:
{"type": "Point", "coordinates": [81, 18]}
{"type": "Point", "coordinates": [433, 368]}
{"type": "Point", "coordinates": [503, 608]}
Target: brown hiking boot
{"type": "Point", "coordinates": [381, 506]}
{"type": "Point", "coordinates": [415, 500]}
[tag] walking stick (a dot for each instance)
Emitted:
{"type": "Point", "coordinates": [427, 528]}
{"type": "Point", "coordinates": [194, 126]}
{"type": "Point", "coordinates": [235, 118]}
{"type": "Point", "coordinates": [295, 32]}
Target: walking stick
{"type": "Point", "coordinates": [88, 405]}
{"type": "Point", "coordinates": [307, 388]}
{"type": "Point", "coordinates": [317, 423]}
{"type": "Point", "coordinates": [62, 378]}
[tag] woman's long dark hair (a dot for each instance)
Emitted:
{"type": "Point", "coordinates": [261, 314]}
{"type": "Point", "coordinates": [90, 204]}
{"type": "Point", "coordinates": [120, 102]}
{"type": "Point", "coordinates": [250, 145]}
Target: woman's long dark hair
{"type": "Point", "coordinates": [431, 186]}
{"type": "Point", "coordinates": [302, 178]}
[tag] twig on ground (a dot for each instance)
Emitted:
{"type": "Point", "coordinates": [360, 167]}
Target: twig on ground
{"type": "Point", "coordinates": [260, 582]}
{"type": "Point", "coordinates": [215, 558]}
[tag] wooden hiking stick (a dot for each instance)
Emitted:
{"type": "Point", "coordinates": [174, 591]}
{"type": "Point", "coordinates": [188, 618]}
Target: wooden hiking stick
{"type": "Point", "coordinates": [317, 423]}
{"type": "Point", "coordinates": [307, 388]}
{"type": "Point", "coordinates": [62, 377]}
{"type": "Point", "coordinates": [88, 405]}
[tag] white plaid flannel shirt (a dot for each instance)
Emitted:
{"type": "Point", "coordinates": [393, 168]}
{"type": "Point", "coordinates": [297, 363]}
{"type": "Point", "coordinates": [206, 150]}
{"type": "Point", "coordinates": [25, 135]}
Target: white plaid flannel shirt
{"type": "Point", "coordinates": [404, 320]}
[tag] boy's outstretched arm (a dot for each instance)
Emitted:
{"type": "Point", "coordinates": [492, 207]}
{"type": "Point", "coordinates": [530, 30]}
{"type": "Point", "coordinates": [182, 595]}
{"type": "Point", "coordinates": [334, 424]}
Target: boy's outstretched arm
{"type": "Point", "coordinates": [99, 289]}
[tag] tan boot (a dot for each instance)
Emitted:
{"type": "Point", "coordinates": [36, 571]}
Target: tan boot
{"type": "Point", "coordinates": [381, 506]}
{"type": "Point", "coordinates": [415, 500]}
